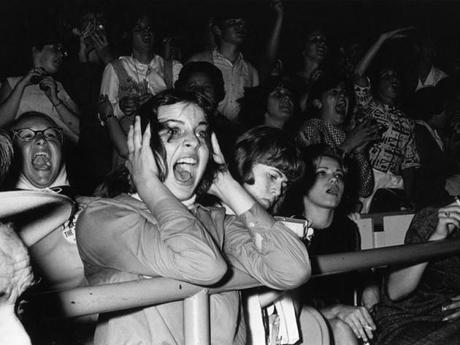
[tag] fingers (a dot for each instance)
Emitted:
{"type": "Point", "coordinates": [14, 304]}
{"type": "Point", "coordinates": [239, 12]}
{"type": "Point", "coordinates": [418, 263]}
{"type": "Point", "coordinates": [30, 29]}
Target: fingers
{"type": "Point", "coordinates": [361, 323]}
{"type": "Point", "coordinates": [452, 316]}
{"type": "Point", "coordinates": [146, 136]}
{"type": "Point", "coordinates": [215, 144]}
{"type": "Point", "coordinates": [137, 136]}
{"type": "Point", "coordinates": [218, 156]}
{"type": "Point", "coordinates": [450, 214]}
{"type": "Point", "coordinates": [129, 140]}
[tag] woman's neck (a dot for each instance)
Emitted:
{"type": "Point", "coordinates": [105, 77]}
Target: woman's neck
{"type": "Point", "coordinates": [271, 121]}
{"type": "Point", "coordinates": [189, 203]}
{"type": "Point", "coordinates": [320, 217]}
{"type": "Point", "coordinates": [143, 56]}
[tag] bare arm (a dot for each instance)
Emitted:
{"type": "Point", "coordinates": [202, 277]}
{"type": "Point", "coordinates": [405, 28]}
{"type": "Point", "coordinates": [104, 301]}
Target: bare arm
{"type": "Point", "coordinates": [363, 65]}
{"type": "Point", "coordinates": [115, 129]}
{"type": "Point", "coordinates": [10, 98]}
{"type": "Point", "coordinates": [44, 220]}
{"type": "Point", "coordinates": [68, 115]}
{"type": "Point", "coordinates": [271, 52]}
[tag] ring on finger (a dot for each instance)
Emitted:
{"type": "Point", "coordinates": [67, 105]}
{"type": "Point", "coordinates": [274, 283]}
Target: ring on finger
{"type": "Point", "coordinates": [447, 214]}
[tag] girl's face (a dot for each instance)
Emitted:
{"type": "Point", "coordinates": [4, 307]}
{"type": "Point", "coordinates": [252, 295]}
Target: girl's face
{"type": "Point", "coordinates": [334, 105]}
{"type": "Point", "coordinates": [316, 46]}
{"type": "Point", "coordinates": [280, 103]}
{"type": "Point", "coordinates": [40, 145]}
{"type": "Point", "coordinates": [142, 34]}
{"type": "Point", "coordinates": [329, 184]}
{"type": "Point", "coordinates": [49, 57]}
{"type": "Point", "coordinates": [185, 134]}
{"type": "Point", "coordinates": [269, 185]}
{"type": "Point", "coordinates": [202, 83]}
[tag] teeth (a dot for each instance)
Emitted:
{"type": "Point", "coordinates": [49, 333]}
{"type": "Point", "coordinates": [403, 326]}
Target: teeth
{"type": "Point", "coordinates": [44, 154]}
{"type": "Point", "coordinates": [187, 161]}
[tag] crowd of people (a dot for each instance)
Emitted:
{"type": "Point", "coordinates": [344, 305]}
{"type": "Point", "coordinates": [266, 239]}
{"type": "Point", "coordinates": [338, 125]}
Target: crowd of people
{"type": "Point", "coordinates": [191, 167]}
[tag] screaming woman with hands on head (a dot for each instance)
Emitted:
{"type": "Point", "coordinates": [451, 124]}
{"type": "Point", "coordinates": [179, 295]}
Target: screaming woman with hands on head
{"type": "Point", "coordinates": [155, 228]}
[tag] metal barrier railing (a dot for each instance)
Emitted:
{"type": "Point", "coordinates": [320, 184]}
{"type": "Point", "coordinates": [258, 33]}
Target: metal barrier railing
{"type": "Point", "coordinates": [126, 295]}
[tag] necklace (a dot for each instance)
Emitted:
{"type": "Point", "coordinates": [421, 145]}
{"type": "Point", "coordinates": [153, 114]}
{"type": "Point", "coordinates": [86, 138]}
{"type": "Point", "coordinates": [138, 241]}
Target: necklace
{"type": "Point", "coordinates": [142, 84]}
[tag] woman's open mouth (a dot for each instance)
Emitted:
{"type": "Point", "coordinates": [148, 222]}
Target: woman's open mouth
{"type": "Point", "coordinates": [41, 161]}
{"type": "Point", "coordinates": [333, 191]}
{"type": "Point", "coordinates": [184, 170]}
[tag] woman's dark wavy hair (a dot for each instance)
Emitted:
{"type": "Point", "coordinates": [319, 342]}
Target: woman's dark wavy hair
{"type": "Point", "coordinates": [269, 146]}
{"type": "Point", "coordinates": [255, 101]}
{"type": "Point", "coordinates": [117, 182]}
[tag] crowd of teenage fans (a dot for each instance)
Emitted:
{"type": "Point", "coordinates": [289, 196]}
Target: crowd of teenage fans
{"type": "Point", "coordinates": [180, 163]}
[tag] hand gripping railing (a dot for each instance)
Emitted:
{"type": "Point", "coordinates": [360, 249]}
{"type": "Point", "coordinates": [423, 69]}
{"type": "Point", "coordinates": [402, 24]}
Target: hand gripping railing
{"type": "Point", "coordinates": [111, 297]}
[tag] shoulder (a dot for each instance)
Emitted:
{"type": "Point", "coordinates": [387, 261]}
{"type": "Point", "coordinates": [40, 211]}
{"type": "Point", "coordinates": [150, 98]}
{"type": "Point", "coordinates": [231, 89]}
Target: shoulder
{"type": "Point", "coordinates": [121, 62]}
{"type": "Point", "coordinates": [315, 123]}
{"type": "Point", "coordinates": [201, 56]}
{"type": "Point", "coordinates": [12, 81]}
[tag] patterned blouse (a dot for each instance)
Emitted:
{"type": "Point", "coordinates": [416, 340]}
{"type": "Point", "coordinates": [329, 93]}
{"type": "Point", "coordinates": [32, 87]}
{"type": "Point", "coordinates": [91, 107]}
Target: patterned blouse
{"type": "Point", "coordinates": [396, 150]}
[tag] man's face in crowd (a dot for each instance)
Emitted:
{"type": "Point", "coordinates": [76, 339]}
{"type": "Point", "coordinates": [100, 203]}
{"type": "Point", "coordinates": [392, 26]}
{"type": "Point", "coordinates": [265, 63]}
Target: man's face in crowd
{"type": "Point", "coordinates": [233, 30]}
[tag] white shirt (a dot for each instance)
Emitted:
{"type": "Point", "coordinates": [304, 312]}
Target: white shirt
{"type": "Point", "coordinates": [434, 76]}
{"type": "Point", "coordinates": [143, 78]}
{"type": "Point", "coordinates": [237, 76]}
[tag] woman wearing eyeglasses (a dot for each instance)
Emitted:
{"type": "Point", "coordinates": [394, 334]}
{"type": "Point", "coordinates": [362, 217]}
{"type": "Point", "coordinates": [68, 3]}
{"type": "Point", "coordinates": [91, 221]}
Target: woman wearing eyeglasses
{"type": "Point", "coordinates": [40, 166]}
{"type": "Point", "coordinates": [38, 91]}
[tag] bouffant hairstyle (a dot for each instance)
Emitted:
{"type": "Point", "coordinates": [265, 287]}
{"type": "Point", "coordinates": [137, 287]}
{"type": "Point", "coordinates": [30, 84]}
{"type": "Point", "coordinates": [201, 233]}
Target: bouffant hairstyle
{"type": "Point", "coordinates": [269, 146]}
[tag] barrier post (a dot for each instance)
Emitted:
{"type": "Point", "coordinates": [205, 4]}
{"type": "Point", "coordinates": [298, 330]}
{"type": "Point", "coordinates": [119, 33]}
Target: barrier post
{"type": "Point", "coordinates": [196, 319]}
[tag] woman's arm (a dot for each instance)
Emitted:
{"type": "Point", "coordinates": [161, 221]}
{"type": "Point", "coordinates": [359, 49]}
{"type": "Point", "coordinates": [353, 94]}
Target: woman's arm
{"type": "Point", "coordinates": [177, 245]}
{"type": "Point", "coordinates": [115, 129]}
{"type": "Point", "coordinates": [404, 281]}
{"type": "Point", "coordinates": [10, 98]}
{"type": "Point", "coordinates": [68, 115]}
{"type": "Point", "coordinates": [271, 52]}
{"type": "Point", "coordinates": [33, 226]}
{"type": "Point", "coordinates": [254, 242]}
{"type": "Point", "coordinates": [361, 68]}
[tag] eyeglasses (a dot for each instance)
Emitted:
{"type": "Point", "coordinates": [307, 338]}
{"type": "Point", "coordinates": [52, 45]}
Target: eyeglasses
{"type": "Point", "coordinates": [27, 134]}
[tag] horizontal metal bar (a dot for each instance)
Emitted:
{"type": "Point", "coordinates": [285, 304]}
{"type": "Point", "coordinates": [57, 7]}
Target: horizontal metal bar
{"type": "Point", "coordinates": [146, 292]}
